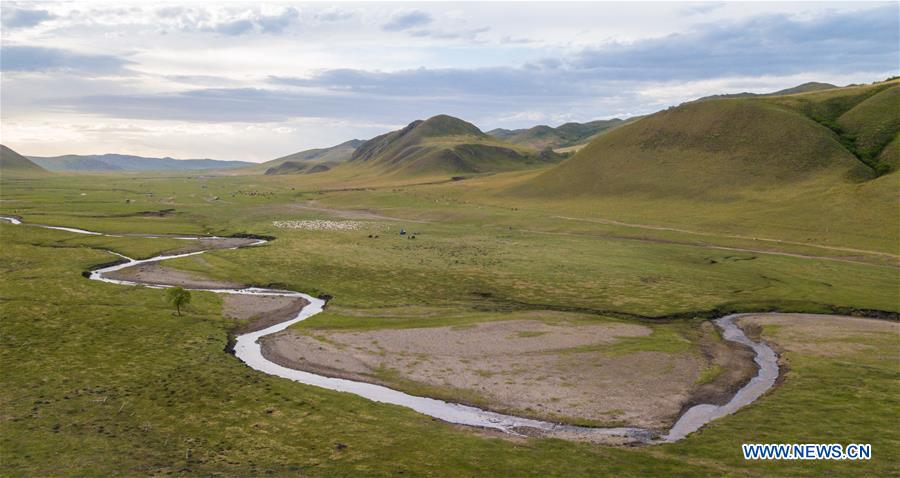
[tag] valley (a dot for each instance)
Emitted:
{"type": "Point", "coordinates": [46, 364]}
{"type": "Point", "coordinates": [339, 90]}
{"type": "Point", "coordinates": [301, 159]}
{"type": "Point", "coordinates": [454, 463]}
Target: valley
{"type": "Point", "coordinates": [574, 290]}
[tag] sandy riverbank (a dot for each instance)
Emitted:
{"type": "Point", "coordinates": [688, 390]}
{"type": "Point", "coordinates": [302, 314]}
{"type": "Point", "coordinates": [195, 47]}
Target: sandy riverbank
{"type": "Point", "coordinates": [527, 367]}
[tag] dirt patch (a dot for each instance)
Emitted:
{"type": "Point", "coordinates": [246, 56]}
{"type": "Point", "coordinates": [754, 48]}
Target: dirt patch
{"type": "Point", "coordinates": [732, 363]}
{"type": "Point", "coordinates": [350, 213]}
{"type": "Point", "coordinates": [209, 244]}
{"type": "Point", "coordinates": [525, 367]}
{"type": "Point", "coordinates": [260, 311]}
{"type": "Point", "coordinates": [822, 335]}
{"type": "Point", "coordinates": [153, 273]}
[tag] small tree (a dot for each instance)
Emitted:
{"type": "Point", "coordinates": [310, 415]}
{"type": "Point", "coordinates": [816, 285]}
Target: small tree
{"type": "Point", "coordinates": [178, 297]}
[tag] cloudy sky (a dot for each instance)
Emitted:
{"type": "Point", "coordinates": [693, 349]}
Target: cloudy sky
{"type": "Point", "coordinates": [255, 81]}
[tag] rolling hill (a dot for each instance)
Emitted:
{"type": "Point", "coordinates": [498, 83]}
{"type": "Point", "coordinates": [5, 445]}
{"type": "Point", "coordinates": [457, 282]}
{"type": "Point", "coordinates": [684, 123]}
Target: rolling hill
{"type": "Point", "coordinates": [563, 136]}
{"type": "Point", "coordinates": [445, 145]}
{"type": "Point", "coordinates": [124, 162]}
{"type": "Point", "coordinates": [716, 147]}
{"type": "Point", "coordinates": [865, 118]}
{"type": "Point", "coordinates": [298, 167]}
{"type": "Point", "coordinates": [336, 154]}
{"type": "Point", "coordinates": [804, 88]}
{"type": "Point", "coordinates": [304, 161]}
{"type": "Point", "coordinates": [13, 163]}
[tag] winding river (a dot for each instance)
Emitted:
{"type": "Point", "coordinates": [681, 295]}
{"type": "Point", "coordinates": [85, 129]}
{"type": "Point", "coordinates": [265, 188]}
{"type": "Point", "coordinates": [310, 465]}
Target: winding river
{"type": "Point", "coordinates": [249, 351]}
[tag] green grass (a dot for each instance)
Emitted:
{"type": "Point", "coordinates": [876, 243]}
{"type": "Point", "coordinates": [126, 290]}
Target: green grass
{"type": "Point", "coordinates": [804, 165]}
{"type": "Point", "coordinates": [709, 374]}
{"type": "Point", "coordinates": [14, 164]}
{"type": "Point", "coordinates": [104, 380]}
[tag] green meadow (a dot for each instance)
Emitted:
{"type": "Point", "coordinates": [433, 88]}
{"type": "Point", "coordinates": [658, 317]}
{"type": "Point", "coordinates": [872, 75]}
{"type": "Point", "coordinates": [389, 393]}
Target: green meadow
{"type": "Point", "coordinates": [101, 379]}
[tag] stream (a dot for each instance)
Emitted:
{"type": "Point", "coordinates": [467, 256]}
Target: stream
{"type": "Point", "coordinates": [249, 351]}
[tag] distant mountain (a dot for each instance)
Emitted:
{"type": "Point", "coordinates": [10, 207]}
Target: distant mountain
{"type": "Point", "coordinates": [569, 134]}
{"type": "Point", "coordinates": [804, 88]}
{"type": "Point", "coordinates": [326, 156]}
{"type": "Point", "coordinates": [338, 153]}
{"type": "Point", "coordinates": [445, 145]}
{"type": "Point", "coordinates": [123, 162]}
{"type": "Point", "coordinates": [13, 163]}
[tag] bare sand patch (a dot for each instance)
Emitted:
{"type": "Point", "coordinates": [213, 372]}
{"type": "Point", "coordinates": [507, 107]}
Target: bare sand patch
{"type": "Point", "coordinates": [209, 244]}
{"type": "Point", "coordinates": [153, 273]}
{"type": "Point", "coordinates": [261, 310]}
{"type": "Point", "coordinates": [525, 367]}
{"type": "Point", "coordinates": [733, 363]}
{"type": "Point", "coordinates": [823, 335]}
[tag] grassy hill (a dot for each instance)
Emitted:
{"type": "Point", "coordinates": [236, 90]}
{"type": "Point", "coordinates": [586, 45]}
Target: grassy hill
{"type": "Point", "coordinates": [445, 145]}
{"type": "Point", "coordinates": [330, 156]}
{"type": "Point", "coordinates": [804, 88]}
{"type": "Point", "coordinates": [791, 166]}
{"type": "Point", "coordinates": [713, 148]}
{"type": "Point", "coordinates": [864, 118]}
{"type": "Point", "coordinates": [126, 162]}
{"type": "Point", "coordinates": [299, 167]}
{"type": "Point", "coordinates": [13, 163]}
{"type": "Point", "coordinates": [563, 136]}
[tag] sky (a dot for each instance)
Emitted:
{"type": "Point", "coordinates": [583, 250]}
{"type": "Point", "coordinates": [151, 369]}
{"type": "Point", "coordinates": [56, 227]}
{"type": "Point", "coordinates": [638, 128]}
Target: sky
{"type": "Point", "coordinates": [255, 81]}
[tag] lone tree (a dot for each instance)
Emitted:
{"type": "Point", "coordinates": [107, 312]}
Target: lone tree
{"type": "Point", "coordinates": [178, 297]}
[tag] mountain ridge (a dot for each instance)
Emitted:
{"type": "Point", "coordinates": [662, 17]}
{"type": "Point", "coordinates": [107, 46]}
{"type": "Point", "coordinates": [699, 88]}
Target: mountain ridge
{"type": "Point", "coordinates": [562, 136]}
{"type": "Point", "coordinates": [128, 162]}
{"type": "Point", "coordinates": [443, 144]}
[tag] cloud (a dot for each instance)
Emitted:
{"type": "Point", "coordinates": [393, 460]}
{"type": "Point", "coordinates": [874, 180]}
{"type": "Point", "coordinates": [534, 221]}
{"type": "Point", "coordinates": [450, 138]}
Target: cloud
{"type": "Point", "coordinates": [534, 80]}
{"type": "Point", "coordinates": [333, 14]}
{"type": "Point", "coordinates": [701, 8]}
{"type": "Point", "coordinates": [170, 12]}
{"type": "Point", "coordinates": [405, 20]}
{"type": "Point", "coordinates": [762, 53]}
{"type": "Point", "coordinates": [229, 22]}
{"type": "Point", "coordinates": [234, 28]}
{"type": "Point", "coordinates": [866, 40]}
{"type": "Point", "coordinates": [222, 105]}
{"type": "Point", "coordinates": [605, 80]}
{"type": "Point", "coordinates": [277, 23]}
{"type": "Point", "coordinates": [470, 34]}
{"type": "Point", "coordinates": [39, 59]}
{"type": "Point", "coordinates": [13, 17]}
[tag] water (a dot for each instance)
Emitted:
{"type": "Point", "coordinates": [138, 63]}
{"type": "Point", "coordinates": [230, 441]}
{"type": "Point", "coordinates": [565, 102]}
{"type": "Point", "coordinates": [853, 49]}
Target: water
{"type": "Point", "coordinates": [766, 359]}
{"type": "Point", "coordinates": [249, 351]}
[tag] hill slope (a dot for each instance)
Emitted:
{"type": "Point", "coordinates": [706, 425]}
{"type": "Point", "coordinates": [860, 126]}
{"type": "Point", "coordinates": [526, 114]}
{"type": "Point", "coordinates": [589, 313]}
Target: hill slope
{"type": "Point", "coordinates": [865, 118]}
{"type": "Point", "coordinates": [804, 88]}
{"type": "Point", "coordinates": [124, 162]}
{"type": "Point", "coordinates": [13, 163]}
{"type": "Point", "coordinates": [717, 147]}
{"type": "Point", "coordinates": [542, 136]}
{"type": "Point", "coordinates": [303, 160]}
{"type": "Point", "coordinates": [444, 145]}
{"type": "Point", "coordinates": [299, 167]}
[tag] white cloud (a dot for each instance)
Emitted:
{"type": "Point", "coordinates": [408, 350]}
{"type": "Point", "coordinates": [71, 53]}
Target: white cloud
{"type": "Point", "coordinates": [244, 80]}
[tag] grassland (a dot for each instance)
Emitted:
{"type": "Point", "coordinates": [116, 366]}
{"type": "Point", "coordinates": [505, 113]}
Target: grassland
{"type": "Point", "coordinates": [101, 379]}
{"type": "Point", "coordinates": [812, 167]}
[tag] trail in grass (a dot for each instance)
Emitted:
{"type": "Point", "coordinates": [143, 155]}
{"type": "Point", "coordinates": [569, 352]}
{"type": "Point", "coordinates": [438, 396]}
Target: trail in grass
{"type": "Point", "coordinates": [733, 236]}
{"type": "Point", "coordinates": [248, 350]}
